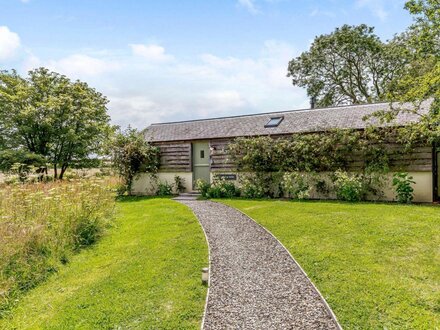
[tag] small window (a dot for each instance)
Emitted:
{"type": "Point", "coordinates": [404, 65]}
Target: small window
{"type": "Point", "coordinates": [274, 121]}
{"type": "Point", "coordinates": [202, 153]}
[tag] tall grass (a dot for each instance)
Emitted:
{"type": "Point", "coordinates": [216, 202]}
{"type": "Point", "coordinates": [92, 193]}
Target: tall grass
{"type": "Point", "coordinates": [41, 225]}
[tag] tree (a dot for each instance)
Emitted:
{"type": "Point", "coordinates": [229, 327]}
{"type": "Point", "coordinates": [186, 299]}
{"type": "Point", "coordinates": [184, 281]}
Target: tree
{"type": "Point", "coordinates": [48, 114]}
{"type": "Point", "coordinates": [10, 157]}
{"type": "Point", "coordinates": [131, 155]}
{"type": "Point", "coordinates": [419, 82]}
{"type": "Point", "coordinates": [348, 66]}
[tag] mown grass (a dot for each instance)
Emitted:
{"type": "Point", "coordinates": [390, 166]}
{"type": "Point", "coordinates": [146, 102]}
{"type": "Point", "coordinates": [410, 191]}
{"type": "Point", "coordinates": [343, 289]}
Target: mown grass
{"type": "Point", "coordinates": [144, 274]}
{"type": "Point", "coordinates": [42, 225]}
{"type": "Point", "coordinates": [378, 265]}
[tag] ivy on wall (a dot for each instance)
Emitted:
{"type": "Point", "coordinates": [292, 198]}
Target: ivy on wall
{"type": "Point", "coordinates": [315, 152]}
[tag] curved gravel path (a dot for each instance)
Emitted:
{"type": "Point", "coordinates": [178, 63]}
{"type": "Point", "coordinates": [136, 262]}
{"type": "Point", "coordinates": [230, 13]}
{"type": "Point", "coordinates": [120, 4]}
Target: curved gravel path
{"type": "Point", "coordinates": [254, 281]}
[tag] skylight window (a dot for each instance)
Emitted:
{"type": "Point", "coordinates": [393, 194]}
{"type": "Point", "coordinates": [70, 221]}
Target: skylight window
{"type": "Point", "coordinates": [274, 122]}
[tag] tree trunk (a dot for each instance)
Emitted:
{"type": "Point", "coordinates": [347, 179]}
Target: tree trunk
{"type": "Point", "coordinates": [55, 172]}
{"type": "Point", "coordinates": [63, 170]}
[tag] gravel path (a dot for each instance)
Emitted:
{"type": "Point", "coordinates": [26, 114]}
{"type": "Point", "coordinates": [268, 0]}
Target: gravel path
{"type": "Point", "coordinates": [254, 282]}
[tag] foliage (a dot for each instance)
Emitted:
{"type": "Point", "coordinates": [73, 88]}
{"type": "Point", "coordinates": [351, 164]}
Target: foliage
{"type": "Point", "coordinates": [223, 189]}
{"type": "Point", "coordinates": [49, 115]}
{"type": "Point", "coordinates": [10, 157]}
{"type": "Point", "coordinates": [296, 185]}
{"type": "Point", "coordinates": [322, 187]}
{"type": "Point", "coordinates": [314, 152]}
{"type": "Point", "coordinates": [203, 187]}
{"type": "Point", "coordinates": [179, 184]}
{"type": "Point", "coordinates": [131, 155]}
{"type": "Point", "coordinates": [164, 189]}
{"type": "Point", "coordinates": [42, 224]}
{"type": "Point", "coordinates": [349, 187]}
{"type": "Point", "coordinates": [362, 256]}
{"type": "Point", "coordinates": [262, 184]}
{"type": "Point", "coordinates": [267, 159]}
{"type": "Point", "coordinates": [252, 188]}
{"type": "Point", "coordinates": [218, 189]}
{"type": "Point", "coordinates": [403, 185]}
{"type": "Point", "coordinates": [348, 66]}
{"type": "Point", "coordinates": [418, 87]}
{"type": "Point", "coordinates": [144, 274]}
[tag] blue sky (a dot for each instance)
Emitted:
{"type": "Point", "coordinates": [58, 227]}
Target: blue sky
{"type": "Point", "coordinates": [172, 60]}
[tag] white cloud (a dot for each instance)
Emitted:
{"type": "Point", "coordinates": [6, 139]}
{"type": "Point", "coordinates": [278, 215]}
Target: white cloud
{"type": "Point", "coordinates": [249, 5]}
{"type": "Point", "coordinates": [206, 86]}
{"type": "Point", "coordinates": [80, 65]}
{"type": "Point", "coordinates": [152, 52]}
{"type": "Point", "coordinates": [9, 43]}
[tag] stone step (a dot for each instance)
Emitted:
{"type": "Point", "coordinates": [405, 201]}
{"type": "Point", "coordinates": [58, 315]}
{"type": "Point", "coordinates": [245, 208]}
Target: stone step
{"type": "Point", "coordinates": [185, 198]}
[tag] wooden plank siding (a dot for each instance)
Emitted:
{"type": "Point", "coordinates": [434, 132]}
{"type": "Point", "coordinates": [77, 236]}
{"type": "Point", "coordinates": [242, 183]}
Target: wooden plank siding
{"type": "Point", "coordinates": [176, 157]}
{"type": "Point", "coordinates": [219, 156]}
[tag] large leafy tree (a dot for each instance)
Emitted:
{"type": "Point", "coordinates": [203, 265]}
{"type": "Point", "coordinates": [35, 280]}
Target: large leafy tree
{"type": "Point", "coordinates": [348, 66]}
{"type": "Point", "coordinates": [48, 114]}
{"type": "Point", "coordinates": [420, 78]}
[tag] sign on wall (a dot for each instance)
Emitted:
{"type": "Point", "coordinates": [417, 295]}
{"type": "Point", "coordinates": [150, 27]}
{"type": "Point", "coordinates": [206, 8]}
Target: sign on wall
{"type": "Point", "coordinates": [227, 176]}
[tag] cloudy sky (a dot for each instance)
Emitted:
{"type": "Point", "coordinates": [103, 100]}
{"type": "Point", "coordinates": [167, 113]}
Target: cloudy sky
{"type": "Point", "coordinates": [167, 60]}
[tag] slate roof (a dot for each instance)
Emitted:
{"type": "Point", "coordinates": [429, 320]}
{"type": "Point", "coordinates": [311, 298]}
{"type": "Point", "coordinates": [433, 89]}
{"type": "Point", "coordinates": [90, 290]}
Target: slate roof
{"type": "Point", "coordinates": [295, 121]}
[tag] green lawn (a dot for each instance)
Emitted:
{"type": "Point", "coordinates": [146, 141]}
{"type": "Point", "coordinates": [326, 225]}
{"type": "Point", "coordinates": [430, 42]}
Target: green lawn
{"type": "Point", "coordinates": [377, 265]}
{"type": "Point", "coordinates": [145, 274]}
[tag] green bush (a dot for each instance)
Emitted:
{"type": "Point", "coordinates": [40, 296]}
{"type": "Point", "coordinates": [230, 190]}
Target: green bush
{"type": "Point", "coordinates": [203, 187]}
{"type": "Point", "coordinates": [164, 189]}
{"type": "Point", "coordinates": [223, 189]}
{"type": "Point", "coordinates": [322, 187]}
{"type": "Point", "coordinates": [219, 189]}
{"type": "Point", "coordinates": [179, 184]}
{"type": "Point", "coordinates": [261, 184]}
{"type": "Point", "coordinates": [10, 157]}
{"type": "Point", "coordinates": [403, 186]}
{"type": "Point", "coordinates": [296, 185]}
{"type": "Point", "coordinates": [349, 187]}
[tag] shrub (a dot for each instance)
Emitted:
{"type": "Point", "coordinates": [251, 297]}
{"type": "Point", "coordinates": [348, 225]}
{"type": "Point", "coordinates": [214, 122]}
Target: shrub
{"type": "Point", "coordinates": [203, 187]}
{"type": "Point", "coordinates": [219, 189]}
{"type": "Point", "coordinates": [131, 155]}
{"type": "Point", "coordinates": [296, 185]}
{"type": "Point", "coordinates": [223, 189]}
{"type": "Point", "coordinates": [403, 186]}
{"type": "Point", "coordinates": [42, 224]}
{"type": "Point", "coordinates": [261, 184]}
{"type": "Point", "coordinates": [164, 189]}
{"type": "Point", "coordinates": [349, 187]}
{"type": "Point", "coordinates": [10, 157]}
{"type": "Point", "coordinates": [252, 187]}
{"type": "Point", "coordinates": [322, 187]}
{"type": "Point", "coordinates": [179, 184]}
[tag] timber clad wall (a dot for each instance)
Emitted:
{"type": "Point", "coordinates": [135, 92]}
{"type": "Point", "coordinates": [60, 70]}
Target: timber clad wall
{"type": "Point", "coordinates": [419, 160]}
{"type": "Point", "coordinates": [176, 157]}
{"type": "Point", "coordinates": [219, 156]}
